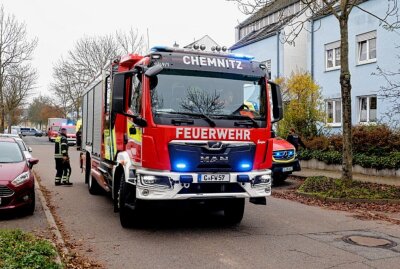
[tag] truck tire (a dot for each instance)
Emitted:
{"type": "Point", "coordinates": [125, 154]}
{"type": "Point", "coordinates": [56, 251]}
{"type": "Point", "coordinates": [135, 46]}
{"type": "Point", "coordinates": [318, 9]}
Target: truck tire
{"type": "Point", "coordinates": [94, 187]}
{"type": "Point", "coordinates": [234, 210]}
{"type": "Point", "coordinates": [128, 204]}
{"type": "Point", "coordinates": [278, 179]}
{"type": "Point", "coordinates": [87, 169]}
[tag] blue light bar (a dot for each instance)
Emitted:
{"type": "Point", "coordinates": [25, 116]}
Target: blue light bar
{"type": "Point", "coordinates": [242, 56]}
{"type": "Point", "coordinates": [161, 49]}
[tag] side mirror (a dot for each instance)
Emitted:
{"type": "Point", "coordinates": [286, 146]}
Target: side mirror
{"type": "Point", "coordinates": [32, 162]}
{"type": "Point", "coordinates": [154, 71]}
{"type": "Point", "coordinates": [29, 149]}
{"type": "Point", "coordinates": [277, 107]}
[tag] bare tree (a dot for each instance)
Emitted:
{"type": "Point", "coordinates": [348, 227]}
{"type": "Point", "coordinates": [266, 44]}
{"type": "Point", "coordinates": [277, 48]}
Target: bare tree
{"type": "Point", "coordinates": [202, 102]}
{"type": "Point", "coordinates": [391, 92]}
{"type": "Point", "coordinates": [85, 60]}
{"type": "Point", "coordinates": [130, 42]}
{"type": "Point", "coordinates": [18, 84]}
{"type": "Point", "coordinates": [341, 10]}
{"type": "Point", "coordinates": [15, 50]}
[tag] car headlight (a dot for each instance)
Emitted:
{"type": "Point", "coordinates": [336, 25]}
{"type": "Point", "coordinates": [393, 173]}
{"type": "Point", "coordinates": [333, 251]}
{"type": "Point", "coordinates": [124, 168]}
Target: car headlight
{"type": "Point", "coordinates": [22, 178]}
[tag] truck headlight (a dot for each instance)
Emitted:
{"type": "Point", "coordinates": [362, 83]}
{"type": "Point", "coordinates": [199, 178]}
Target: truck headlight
{"type": "Point", "coordinates": [263, 179]}
{"type": "Point", "coordinates": [159, 181]}
{"type": "Point", "coordinates": [22, 178]}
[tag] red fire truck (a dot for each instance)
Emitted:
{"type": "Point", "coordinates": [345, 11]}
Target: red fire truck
{"type": "Point", "coordinates": [180, 124]}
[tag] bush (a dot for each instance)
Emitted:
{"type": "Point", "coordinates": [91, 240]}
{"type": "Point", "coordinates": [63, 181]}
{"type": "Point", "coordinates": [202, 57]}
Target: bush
{"type": "Point", "coordinates": [376, 140]}
{"type": "Point", "coordinates": [336, 188]}
{"type": "Point", "coordinates": [390, 161]}
{"type": "Point", "coordinates": [22, 250]}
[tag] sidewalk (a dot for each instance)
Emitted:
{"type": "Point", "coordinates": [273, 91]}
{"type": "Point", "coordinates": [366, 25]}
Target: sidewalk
{"type": "Point", "coordinates": [306, 172]}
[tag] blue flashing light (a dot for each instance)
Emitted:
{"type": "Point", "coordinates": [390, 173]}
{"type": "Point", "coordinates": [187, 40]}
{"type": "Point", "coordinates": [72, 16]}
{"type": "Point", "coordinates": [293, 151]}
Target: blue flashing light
{"type": "Point", "coordinates": [243, 178]}
{"type": "Point", "coordinates": [186, 179]}
{"type": "Point", "coordinates": [242, 56]}
{"type": "Point", "coordinates": [161, 49]}
{"type": "Point", "coordinates": [180, 166]}
{"type": "Point", "coordinates": [245, 165]}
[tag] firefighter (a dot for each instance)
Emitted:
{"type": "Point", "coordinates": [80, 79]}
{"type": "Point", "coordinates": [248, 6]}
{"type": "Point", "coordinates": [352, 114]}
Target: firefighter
{"type": "Point", "coordinates": [63, 166]}
{"type": "Point", "coordinates": [294, 139]}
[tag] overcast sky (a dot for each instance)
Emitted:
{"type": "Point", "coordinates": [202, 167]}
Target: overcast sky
{"type": "Point", "coordinates": [59, 23]}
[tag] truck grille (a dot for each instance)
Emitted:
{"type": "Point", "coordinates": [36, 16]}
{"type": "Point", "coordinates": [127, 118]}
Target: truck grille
{"type": "Point", "coordinates": [283, 155]}
{"type": "Point", "coordinates": [5, 191]}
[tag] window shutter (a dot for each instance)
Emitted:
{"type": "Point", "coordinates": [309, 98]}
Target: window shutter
{"type": "Point", "coordinates": [366, 36]}
{"type": "Point", "coordinates": [332, 45]}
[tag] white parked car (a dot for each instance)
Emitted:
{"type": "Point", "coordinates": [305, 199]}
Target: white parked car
{"type": "Point", "coordinates": [25, 149]}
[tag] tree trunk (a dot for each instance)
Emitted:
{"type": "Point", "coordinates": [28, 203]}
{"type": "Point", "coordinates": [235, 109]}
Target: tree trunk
{"type": "Point", "coordinates": [347, 161]}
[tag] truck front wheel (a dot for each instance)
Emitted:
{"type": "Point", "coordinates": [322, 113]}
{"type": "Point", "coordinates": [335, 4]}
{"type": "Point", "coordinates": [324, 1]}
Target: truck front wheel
{"type": "Point", "coordinates": [234, 210]}
{"type": "Point", "coordinates": [127, 204]}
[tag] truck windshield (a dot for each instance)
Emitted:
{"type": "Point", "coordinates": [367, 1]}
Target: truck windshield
{"type": "Point", "coordinates": [209, 98]}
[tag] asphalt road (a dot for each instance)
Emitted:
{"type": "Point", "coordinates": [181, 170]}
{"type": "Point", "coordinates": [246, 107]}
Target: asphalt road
{"type": "Point", "coordinates": [283, 234]}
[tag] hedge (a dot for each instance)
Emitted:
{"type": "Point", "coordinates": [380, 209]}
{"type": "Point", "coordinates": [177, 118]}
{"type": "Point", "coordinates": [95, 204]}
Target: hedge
{"type": "Point", "coordinates": [390, 161]}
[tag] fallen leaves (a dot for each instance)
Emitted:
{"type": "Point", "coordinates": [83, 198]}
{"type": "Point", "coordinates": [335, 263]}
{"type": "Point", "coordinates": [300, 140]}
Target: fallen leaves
{"type": "Point", "coordinates": [365, 211]}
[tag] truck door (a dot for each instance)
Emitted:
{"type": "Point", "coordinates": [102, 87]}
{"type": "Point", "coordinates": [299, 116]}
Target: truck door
{"type": "Point", "coordinates": [134, 132]}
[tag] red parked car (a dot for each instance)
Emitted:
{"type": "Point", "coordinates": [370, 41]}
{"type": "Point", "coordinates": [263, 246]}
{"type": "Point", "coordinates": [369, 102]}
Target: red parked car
{"type": "Point", "coordinates": [16, 178]}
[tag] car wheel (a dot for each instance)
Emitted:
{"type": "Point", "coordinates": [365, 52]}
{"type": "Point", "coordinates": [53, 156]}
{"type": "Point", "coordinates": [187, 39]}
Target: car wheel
{"type": "Point", "coordinates": [234, 210]}
{"type": "Point", "coordinates": [128, 204]}
{"type": "Point", "coordinates": [94, 187]}
{"type": "Point", "coordinates": [30, 209]}
{"type": "Point", "coordinates": [278, 179]}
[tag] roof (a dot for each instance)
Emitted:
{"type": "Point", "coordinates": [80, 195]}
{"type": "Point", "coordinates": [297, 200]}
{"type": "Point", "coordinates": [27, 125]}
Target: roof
{"type": "Point", "coordinates": [204, 38]}
{"type": "Point", "coordinates": [327, 12]}
{"type": "Point", "coordinates": [268, 9]}
{"type": "Point", "coordinates": [261, 34]}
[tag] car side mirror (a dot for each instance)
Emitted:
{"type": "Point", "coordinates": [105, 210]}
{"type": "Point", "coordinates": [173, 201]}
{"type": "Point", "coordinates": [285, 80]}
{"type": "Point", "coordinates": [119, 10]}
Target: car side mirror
{"type": "Point", "coordinates": [29, 149]}
{"type": "Point", "coordinates": [32, 162]}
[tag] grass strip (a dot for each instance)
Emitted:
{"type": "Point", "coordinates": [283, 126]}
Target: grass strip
{"type": "Point", "coordinates": [23, 250]}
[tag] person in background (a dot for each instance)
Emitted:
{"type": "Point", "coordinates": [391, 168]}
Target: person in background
{"type": "Point", "coordinates": [63, 166]}
{"type": "Point", "coordinates": [294, 139]}
{"type": "Point", "coordinates": [79, 139]}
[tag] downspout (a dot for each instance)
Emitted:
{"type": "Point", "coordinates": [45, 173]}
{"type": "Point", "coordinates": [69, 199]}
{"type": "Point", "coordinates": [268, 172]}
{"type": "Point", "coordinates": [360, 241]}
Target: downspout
{"type": "Point", "coordinates": [278, 56]}
{"type": "Point", "coordinates": [312, 48]}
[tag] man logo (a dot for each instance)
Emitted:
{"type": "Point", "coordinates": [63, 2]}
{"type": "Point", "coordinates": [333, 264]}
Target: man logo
{"type": "Point", "coordinates": [213, 159]}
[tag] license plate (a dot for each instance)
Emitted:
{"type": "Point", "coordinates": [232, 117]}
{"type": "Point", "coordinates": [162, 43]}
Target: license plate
{"type": "Point", "coordinates": [287, 169]}
{"type": "Point", "coordinates": [214, 178]}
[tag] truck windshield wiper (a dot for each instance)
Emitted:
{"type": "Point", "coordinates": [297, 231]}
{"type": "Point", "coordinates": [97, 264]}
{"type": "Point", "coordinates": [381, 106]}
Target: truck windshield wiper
{"type": "Point", "coordinates": [201, 115]}
{"type": "Point", "coordinates": [248, 121]}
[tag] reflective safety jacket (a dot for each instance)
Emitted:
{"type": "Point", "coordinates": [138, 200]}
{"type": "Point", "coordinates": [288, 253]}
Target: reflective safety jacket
{"type": "Point", "coordinates": [61, 146]}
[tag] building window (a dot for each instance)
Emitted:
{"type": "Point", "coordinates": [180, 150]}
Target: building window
{"type": "Point", "coordinates": [367, 109]}
{"type": "Point", "coordinates": [334, 112]}
{"type": "Point", "coordinates": [332, 56]}
{"type": "Point", "coordinates": [366, 47]}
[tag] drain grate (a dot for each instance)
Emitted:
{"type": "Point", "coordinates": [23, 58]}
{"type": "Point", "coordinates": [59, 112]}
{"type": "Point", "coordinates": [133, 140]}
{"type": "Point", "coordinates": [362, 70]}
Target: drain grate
{"type": "Point", "coordinates": [369, 241]}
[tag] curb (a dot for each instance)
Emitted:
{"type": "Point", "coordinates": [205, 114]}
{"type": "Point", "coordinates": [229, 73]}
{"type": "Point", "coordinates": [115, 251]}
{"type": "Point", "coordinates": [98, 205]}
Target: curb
{"type": "Point", "coordinates": [51, 222]}
{"type": "Point", "coordinates": [349, 200]}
